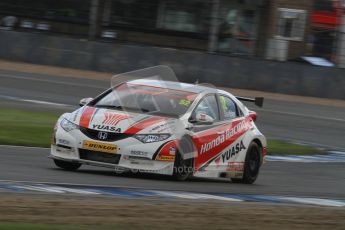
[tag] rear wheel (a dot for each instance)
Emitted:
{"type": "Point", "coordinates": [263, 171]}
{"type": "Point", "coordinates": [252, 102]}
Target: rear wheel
{"type": "Point", "coordinates": [183, 168]}
{"type": "Point", "coordinates": [251, 166]}
{"type": "Point", "coordinates": [70, 166]}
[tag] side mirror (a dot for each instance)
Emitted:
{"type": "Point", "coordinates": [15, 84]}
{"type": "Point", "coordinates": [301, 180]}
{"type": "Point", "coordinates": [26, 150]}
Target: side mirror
{"type": "Point", "coordinates": [202, 119]}
{"type": "Point", "coordinates": [85, 101]}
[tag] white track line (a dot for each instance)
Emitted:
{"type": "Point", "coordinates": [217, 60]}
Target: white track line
{"type": "Point", "coordinates": [50, 81]}
{"type": "Point", "coordinates": [19, 146]}
{"type": "Point", "coordinates": [44, 102]}
{"type": "Point", "coordinates": [64, 189]}
{"type": "Point", "coordinates": [35, 101]}
{"type": "Point", "coordinates": [85, 185]}
{"type": "Point", "coordinates": [300, 115]}
{"type": "Point", "coordinates": [315, 201]}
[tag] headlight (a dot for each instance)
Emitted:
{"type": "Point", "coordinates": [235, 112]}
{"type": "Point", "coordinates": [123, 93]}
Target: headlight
{"type": "Point", "coordinates": [67, 125]}
{"type": "Point", "coordinates": [149, 138]}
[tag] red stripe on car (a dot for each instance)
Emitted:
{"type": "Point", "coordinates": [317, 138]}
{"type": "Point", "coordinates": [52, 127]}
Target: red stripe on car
{"type": "Point", "coordinates": [137, 127]}
{"type": "Point", "coordinates": [208, 146]}
{"type": "Point", "coordinates": [86, 117]}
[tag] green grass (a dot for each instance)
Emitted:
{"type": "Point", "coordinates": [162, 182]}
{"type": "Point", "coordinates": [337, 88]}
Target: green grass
{"type": "Point", "coordinates": [19, 127]}
{"type": "Point", "coordinates": [276, 147]}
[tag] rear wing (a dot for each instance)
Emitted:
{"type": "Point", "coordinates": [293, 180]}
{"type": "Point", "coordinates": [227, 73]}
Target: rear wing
{"type": "Point", "coordinates": [258, 101]}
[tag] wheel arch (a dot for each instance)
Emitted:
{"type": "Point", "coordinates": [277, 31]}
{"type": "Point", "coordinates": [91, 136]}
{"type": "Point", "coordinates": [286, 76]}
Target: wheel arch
{"type": "Point", "coordinates": [181, 157]}
{"type": "Point", "coordinates": [260, 144]}
{"type": "Point", "coordinates": [190, 140]}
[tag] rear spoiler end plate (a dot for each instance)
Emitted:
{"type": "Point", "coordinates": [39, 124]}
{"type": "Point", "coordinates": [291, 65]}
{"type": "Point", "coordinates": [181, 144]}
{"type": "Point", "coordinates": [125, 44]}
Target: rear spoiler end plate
{"type": "Point", "coordinates": [258, 101]}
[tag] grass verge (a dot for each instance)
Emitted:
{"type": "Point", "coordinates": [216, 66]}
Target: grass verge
{"type": "Point", "coordinates": [26, 128]}
{"type": "Point", "coordinates": [20, 127]}
{"type": "Point", "coordinates": [277, 147]}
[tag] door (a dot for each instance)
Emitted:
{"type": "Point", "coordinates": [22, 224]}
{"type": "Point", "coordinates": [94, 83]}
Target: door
{"type": "Point", "coordinates": [205, 133]}
{"type": "Point", "coordinates": [212, 140]}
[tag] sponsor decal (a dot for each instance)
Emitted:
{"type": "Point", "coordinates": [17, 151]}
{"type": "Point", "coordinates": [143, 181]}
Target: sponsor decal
{"type": "Point", "coordinates": [236, 148]}
{"type": "Point", "coordinates": [165, 158]}
{"type": "Point", "coordinates": [107, 128]}
{"type": "Point", "coordinates": [224, 137]}
{"type": "Point", "coordinates": [167, 152]}
{"type": "Point", "coordinates": [63, 142]}
{"type": "Point", "coordinates": [235, 166]}
{"type": "Point", "coordinates": [184, 102]}
{"type": "Point", "coordinates": [213, 142]}
{"type": "Point", "coordinates": [140, 161]}
{"type": "Point", "coordinates": [163, 127]}
{"type": "Point", "coordinates": [113, 119]}
{"type": "Point", "coordinates": [97, 146]}
{"type": "Point", "coordinates": [172, 150]}
{"type": "Point", "coordinates": [139, 153]}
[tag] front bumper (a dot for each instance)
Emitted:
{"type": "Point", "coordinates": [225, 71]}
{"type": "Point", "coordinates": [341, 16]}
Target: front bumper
{"type": "Point", "coordinates": [69, 147]}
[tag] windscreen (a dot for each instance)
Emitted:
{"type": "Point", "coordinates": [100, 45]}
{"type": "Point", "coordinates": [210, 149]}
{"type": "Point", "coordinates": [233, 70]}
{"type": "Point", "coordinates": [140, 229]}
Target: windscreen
{"type": "Point", "coordinates": [144, 98]}
{"type": "Point", "coordinates": [155, 90]}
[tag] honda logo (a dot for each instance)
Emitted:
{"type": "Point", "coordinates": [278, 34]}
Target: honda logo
{"type": "Point", "coordinates": [102, 135]}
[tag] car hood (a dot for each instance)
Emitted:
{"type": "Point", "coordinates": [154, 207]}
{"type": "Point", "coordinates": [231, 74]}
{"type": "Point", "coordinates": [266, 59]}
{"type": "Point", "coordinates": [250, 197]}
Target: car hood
{"type": "Point", "coordinates": [122, 122]}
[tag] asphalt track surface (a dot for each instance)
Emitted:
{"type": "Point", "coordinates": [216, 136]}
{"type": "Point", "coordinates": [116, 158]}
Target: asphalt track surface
{"type": "Point", "coordinates": [321, 180]}
{"type": "Point", "coordinates": [316, 124]}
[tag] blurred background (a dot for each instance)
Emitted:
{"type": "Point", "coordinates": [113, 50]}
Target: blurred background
{"type": "Point", "coordinates": [233, 40]}
{"type": "Point", "coordinates": [254, 28]}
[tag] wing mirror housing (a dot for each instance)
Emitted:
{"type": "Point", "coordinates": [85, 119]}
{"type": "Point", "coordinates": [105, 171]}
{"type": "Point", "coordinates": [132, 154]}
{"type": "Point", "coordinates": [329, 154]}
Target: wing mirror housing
{"type": "Point", "coordinates": [85, 101]}
{"type": "Point", "coordinates": [202, 119]}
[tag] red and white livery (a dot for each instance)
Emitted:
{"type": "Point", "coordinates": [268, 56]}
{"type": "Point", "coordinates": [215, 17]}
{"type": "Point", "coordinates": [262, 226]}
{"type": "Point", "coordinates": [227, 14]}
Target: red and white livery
{"type": "Point", "coordinates": [163, 127]}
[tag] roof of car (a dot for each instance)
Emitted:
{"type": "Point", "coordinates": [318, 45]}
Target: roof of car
{"type": "Point", "coordinates": [175, 85]}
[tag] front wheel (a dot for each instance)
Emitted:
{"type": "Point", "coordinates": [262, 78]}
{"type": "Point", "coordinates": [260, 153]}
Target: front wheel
{"type": "Point", "coordinates": [251, 165]}
{"type": "Point", "coordinates": [183, 168]}
{"type": "Point", "coordinates": [70, 166]}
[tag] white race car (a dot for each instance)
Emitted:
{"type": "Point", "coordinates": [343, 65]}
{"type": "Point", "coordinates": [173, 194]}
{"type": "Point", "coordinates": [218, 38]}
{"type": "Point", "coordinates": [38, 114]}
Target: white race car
{"type": "Point", "coordinates": [163, 127]}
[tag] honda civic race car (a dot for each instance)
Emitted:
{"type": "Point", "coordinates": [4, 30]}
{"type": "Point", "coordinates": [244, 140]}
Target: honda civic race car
{"type": "Point", "coordinates": [164, 127]}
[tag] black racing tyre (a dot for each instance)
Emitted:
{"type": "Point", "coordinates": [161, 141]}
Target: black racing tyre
{"type": "Point", "coordinates": [251, 165]}
{"type": "Point", "coordinates": [70, 166]}
{"type": "Point", "coordinates": [183, 168]}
